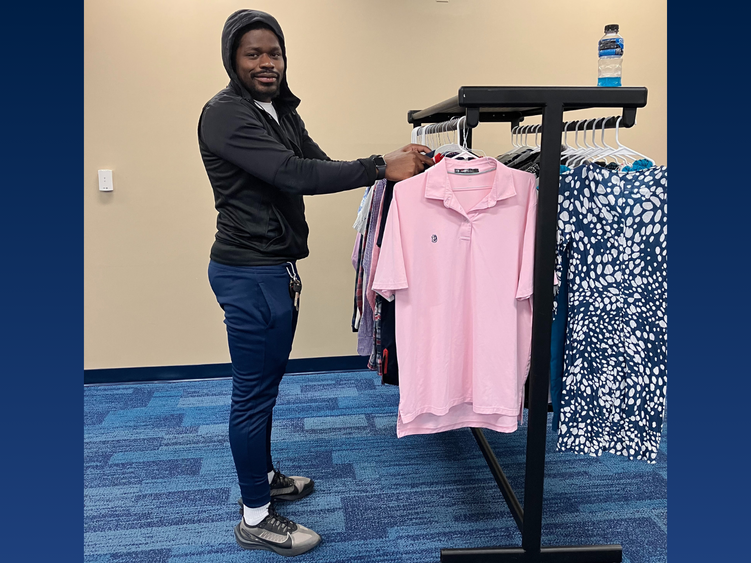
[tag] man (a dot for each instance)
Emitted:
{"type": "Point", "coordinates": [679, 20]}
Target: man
{"type": "Point", "coordinates": [261, 161]}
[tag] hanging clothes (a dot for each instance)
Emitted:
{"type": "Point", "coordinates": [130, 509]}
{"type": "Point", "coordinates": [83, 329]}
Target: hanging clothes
{"type": "Point", "coordinates": [457, 260]}
{"type": "Point", "coordinates": [365, 329]}
{"type": "Point", "coordinates": [612, 230]}
{"type": "Point", "coordinates": [384, 346]}
{"type": "Point", "coordinates": [558, 344]}
{"type": "Point", "coordinates": [373, 324]}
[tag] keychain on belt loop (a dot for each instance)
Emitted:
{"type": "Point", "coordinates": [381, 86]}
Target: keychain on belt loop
{"type": "Point", "coordinates": [295, 285]}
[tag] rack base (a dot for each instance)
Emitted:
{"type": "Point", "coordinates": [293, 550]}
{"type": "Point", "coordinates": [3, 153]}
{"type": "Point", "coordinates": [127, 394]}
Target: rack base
{"type": "Point", "coordinates": [552, 554]}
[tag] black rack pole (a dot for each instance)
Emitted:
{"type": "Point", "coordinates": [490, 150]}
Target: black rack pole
{"type": "Point", "coordinates": [501, 480]}
{"type": "Point", "coordinates": [542, 300]}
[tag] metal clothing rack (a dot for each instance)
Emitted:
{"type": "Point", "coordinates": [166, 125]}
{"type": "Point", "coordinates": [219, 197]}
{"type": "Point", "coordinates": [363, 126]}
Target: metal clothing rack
{"type": "Point", "coordinates": [512, 104]}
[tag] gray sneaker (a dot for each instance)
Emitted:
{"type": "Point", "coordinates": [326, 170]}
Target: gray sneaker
{"type": "Point", "coordinates": [278, 534]}
{"type": "Point", "coordinates": [287, 488]}
{"type": "Point", "coordinates": [290, 488]}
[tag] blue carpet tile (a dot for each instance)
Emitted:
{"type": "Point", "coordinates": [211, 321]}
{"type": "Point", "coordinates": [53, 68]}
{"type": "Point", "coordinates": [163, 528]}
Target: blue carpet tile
{"type": "Point", "coordinates": [160, 485]}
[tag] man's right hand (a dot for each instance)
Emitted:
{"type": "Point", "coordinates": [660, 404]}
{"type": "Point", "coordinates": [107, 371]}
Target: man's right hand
{"type": "Point", "coordinates": [406, 162]}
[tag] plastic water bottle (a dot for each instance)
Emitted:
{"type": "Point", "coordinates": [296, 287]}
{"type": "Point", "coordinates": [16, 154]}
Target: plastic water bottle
{"type": "Point", "coordinates": [610, 51]}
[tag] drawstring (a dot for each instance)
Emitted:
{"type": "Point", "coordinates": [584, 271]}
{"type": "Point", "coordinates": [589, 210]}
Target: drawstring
{"type": "Point", "coordinates": [292, 271]}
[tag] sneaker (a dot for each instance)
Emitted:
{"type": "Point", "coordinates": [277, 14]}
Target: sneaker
{"type": "Point", "coordinates": [278, 534]}
{"type": "Point", "coordinates": [287, 488]}
{"type": "Point", "coordinates": [290, 488]}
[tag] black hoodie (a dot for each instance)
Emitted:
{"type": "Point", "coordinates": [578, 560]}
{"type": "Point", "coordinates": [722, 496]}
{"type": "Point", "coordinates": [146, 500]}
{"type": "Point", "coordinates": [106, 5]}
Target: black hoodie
{"type": "Point", "coordinates": [260, 169]}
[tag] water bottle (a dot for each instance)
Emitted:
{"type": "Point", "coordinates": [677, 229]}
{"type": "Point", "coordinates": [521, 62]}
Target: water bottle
{"type": "Point", "coordinates": [610, 51]}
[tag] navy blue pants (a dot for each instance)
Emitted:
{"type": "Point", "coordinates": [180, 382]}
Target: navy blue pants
{"type": "Point", "coordinates": [261, 320]}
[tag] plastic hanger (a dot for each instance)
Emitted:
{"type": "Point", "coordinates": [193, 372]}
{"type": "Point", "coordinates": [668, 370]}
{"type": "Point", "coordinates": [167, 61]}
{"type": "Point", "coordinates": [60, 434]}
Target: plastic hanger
{"type": "Point", "coordinates": [611, 152]}
{"type": "Point", "coordinates": [597, 151]}
{"type": "Point", "coordinates": [576, 151]}
{"type": "Point", "coordinates": [588, 152]}
{"type": "Point", "coordinates": [467, 154]}
{"type": "Point", "coordinates": [568, 151]}
{"type": "Point", "coordinates": [463, 151]}
{"type": "Point", "coordinates": [451, 146]}
{"type": "Point", "coordinates": [521, 145]}
{"type": "Point", "coordinates": [625, 151]}
{"type": "Point", "coordinates": [516, 142]}
{"type": "Point", "coordinates": [536, 128]}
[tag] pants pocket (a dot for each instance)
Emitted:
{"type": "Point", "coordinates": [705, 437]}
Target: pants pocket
{"type": "Point", "coordinates": [276, 294]}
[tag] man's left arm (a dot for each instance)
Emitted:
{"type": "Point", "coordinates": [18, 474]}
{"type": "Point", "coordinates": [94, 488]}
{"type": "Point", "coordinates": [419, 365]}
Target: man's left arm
{"type": "Point", "coordinates": [399, 166]}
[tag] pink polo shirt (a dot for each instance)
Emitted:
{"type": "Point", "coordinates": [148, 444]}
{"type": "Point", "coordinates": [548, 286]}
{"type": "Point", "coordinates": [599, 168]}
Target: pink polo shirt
{"type": "Point", "coordinates": [457, 255]}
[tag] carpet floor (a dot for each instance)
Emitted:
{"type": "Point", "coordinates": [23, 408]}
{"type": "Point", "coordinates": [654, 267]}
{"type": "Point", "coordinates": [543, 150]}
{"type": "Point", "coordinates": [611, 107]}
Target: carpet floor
{"type": "Point", "coordinates": [160, 485]}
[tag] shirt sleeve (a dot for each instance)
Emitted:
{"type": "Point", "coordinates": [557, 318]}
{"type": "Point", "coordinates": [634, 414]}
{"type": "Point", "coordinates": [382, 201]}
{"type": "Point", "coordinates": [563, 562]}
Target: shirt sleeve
{"type": "Point", "coordinates": [525, 283]}
{"type": "Point", "coordinates": [310, 148]}
{"type": "Point", "coordinates": [390, 275]}
{"type": "Point", "coordinates": [235, 134]}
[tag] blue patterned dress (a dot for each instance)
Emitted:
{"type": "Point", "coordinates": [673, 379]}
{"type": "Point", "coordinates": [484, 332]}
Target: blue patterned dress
{"type": "Point", "coordinates": [612, 231]}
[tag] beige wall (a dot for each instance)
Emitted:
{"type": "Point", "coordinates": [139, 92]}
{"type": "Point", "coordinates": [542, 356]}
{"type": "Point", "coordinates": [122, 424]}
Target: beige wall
{"type": "Point", "coordinates": [358, 66]}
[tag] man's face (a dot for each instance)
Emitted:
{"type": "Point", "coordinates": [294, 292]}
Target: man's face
{"type": "Point", "coordinates": [259, 64]}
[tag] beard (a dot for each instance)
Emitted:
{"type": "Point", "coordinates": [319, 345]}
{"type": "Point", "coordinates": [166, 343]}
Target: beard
{"type": "Point", "coordinates": [262, 92]}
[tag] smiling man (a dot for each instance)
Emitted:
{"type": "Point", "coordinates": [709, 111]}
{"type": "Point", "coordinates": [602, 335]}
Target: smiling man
{"type": "Point", "coordinates": [260, 162]}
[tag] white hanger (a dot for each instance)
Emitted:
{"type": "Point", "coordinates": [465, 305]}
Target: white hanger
{"type": "Point", "coordinates": [466, 153]}
{"type": "Point", "coordinates": [418, 132]}
{"type": "Point", "coordinates": [461, 149]}
{"type": "Point", "coordinates": [576, 151]}
{"type": "Point", "coordinates": [625, 151]}
{"type": "Point", "coordinates": [597, 150]}
{"type": "Point", "coordinates": [451, 146]}
{"type": "Point", "coordinates": [611, 152]}
{"type": "Point", "coordinates": [462, 144]}
{"type": "Point", "coordinates": [536, 129]}
{"type": "Point", "coordinates": [568, 151]}
{"type": "Point", "coordinates": [516, 142]}
{"type": "Point", "coordinates": [590, 152]}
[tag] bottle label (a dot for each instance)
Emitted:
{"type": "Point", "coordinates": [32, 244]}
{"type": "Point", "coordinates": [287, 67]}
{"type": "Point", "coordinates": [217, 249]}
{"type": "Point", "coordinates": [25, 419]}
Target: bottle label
{"type": "Point", "coordinates": [610, 43]}
{"type": "Point", "coordinates": [611, 52]}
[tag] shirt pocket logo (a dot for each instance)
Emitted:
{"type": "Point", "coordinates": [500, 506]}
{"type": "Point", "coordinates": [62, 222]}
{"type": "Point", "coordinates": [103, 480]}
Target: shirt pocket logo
{"type": "Point", "coordinates": [434, 238]}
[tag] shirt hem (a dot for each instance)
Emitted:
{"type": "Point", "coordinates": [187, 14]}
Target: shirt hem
{"type": "Point", "coordinates": [401, 432]}
{"type": "Point", "coordinates": [442, 411]}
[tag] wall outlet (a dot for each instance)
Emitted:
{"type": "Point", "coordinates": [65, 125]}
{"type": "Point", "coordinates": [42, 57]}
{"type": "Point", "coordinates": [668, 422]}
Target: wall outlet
{"type": "Point", "coordinates": [105, 181]}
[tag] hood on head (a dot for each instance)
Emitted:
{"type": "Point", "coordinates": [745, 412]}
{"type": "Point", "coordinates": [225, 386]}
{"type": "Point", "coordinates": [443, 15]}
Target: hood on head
{"type": "Point", "coordinates": [232, 26]}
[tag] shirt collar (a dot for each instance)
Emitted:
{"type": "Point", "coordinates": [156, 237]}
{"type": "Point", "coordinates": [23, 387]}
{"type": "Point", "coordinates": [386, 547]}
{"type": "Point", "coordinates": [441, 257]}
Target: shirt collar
{"type": "Point", "coordinates": [438, 186]}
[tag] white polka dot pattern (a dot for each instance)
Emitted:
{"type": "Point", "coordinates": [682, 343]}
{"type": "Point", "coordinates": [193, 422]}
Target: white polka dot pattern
{"type": "Point", "coordinates": [613, 228]}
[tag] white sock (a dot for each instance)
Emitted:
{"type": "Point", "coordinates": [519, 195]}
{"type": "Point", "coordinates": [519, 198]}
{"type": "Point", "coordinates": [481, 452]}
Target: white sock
{"type": "Point", "coordinates": [253, 516]}
{"type": "Point", "coordinates": [271, 476]}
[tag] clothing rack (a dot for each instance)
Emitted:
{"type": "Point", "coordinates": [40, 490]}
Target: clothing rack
{"type": "Point", "coordinates": [512, 104]}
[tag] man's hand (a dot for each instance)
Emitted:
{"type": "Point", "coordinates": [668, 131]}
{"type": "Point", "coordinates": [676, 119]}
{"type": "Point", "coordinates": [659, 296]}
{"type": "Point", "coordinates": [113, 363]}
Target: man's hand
{"type": "Point", "coordinates": [406, 162]}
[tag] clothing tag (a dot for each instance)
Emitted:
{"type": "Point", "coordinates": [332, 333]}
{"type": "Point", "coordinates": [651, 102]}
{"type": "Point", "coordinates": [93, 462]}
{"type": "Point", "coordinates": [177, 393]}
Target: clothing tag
{"type": "Point", "coordinates": [466, 171]}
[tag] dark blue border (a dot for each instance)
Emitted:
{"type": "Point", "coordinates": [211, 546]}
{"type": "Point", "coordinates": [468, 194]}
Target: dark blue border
{"type": "Point", "coordinates": [213, 371]}
{"type": "Point", "coordinates": [709, 309]}
{"type": "Point", "coordinates": [41, 229]}
{"type": "Point", "coordinates": [41, 331]}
